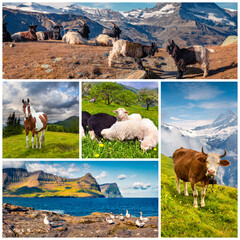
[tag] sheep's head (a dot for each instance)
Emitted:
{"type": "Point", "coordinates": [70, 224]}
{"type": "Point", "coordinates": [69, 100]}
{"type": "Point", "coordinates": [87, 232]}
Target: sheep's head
{"type": "Point", "coordinates": [105, 134]}
{"type": "Point", "coordinates": [122, 114]}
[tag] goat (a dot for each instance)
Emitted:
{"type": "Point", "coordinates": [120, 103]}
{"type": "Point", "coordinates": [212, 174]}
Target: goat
{"type": "Point", "coordinates": [6, 34]}
{"type": "Point", "coordinates": [104, 40]}
{"type": "Point", "coordinates": [74, 38]}
{"type": "Point", "coordinates": [114, 32]}
{"type": "Point", "coordinates": [30, 35]}
{"type": "Point", "coordinates": [84, 29]}
{"type": "Point", "coordinates": [54, 35]}
{"type": "Point", "coordinates": [187, 56]}
{"type": "Point", "coordinates": [134, 50]}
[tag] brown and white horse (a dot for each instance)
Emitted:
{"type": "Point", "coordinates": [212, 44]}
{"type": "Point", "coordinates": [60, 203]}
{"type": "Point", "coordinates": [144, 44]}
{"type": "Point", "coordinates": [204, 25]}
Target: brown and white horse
{"type": "Point", "coordinates": [35, 122]}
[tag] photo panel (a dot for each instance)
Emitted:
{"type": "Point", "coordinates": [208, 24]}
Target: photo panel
{"type": "Point", "coordinates": [199, 161]}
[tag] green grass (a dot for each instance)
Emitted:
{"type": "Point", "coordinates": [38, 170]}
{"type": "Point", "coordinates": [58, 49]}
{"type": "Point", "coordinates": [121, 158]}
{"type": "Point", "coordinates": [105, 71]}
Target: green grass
{"type": "Point", "coordinates": [180, 219]}
{"type": "Point", "coordinates": [117, 149]}
{"type": "Point", "coordinates": [57, 145]}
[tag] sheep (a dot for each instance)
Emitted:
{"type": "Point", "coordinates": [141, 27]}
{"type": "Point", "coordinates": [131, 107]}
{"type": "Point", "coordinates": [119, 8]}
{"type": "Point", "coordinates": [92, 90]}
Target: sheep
{"type": "Point", "coordinates": [122, 115]}
{"type": "Point", "coordinates": [98, 122]}
{"type": "Point", "coordinates": [74, 38]}
{"type": "Point", "coordinates": [134, 50]}
{"type": "Point", "coordinates": [30, 35]}
{"type": "Point", "coordinates": [104, 40]}
{"type": "Point", "coordinates": [6, 34]}
{"type": "Point", "coordinates": [187, 56]}
{"type": "Point", "coordinates": [114, 32]}
{"type": "Point", "coordinates": [145, 131]}
{"type": "Point", "coordinates": [55, 34]}
{"type": "Point", "coordinates": [85, 116]}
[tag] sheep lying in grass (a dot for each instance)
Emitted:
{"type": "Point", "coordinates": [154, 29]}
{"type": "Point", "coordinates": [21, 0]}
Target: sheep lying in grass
{"type": "Point", "coordinates": [134, 50]}
{"type": "Point", "coordinates": [85, 116]}
{"type": "Point", "coordinates": [98, 122]}
{"type": "Point", "coordinates": [122, 115]}
{"type": "Point", "coordinates": [145, 131]}
{"type": "Point", "coordinates": [74, 38]}
{"type": "Point", "coordinates": [104, 40]}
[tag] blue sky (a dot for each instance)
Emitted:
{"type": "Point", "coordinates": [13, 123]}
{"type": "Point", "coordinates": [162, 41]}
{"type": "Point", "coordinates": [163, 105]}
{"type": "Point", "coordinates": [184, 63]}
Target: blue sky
{"type": "Point", "coordinates": [139, 85]}
{"type": "Point", "coordinates": [188, 105]}
{"type": "Point", "coordinates": [134, 178]}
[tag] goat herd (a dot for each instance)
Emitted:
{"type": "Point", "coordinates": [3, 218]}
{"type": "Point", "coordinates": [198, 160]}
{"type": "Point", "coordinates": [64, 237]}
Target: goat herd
{"type": "Point", "coordinates": [182, 57]}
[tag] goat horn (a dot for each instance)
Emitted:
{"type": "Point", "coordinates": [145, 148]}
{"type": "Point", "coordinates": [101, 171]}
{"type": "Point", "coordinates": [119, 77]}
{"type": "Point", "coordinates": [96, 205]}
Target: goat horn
{"type": "Point", "coordinates": [52, 21]}
{"type": "Point", "coordinates": [113, 24]}
{"type": "Point", "coordinates": [82, 21]}
{"type": "Point", "coordinates": [169, 41]}
{"type": "Point", "coordinates": [5, 16]}
{"type": "Point", "coordinates": [203, 151]}
{"type": "Point", "coordinates": [225, 152]}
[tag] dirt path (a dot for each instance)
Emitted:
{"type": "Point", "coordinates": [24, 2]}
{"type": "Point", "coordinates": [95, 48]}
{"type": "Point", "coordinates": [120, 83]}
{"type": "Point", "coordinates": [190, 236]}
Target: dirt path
{"type": "Point", "coordinates": [57, 60]}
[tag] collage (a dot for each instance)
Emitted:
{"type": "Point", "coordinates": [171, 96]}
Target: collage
{"type": "Point", "coordinates": [119, 119]}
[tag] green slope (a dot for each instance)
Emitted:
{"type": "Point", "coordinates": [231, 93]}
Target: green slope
{"type": "Point", "coordinates": [179, 218]}
{"type": "Point", "coordinates": [67, 122]}
{"type": "Point", "coordinates": [57, 145]}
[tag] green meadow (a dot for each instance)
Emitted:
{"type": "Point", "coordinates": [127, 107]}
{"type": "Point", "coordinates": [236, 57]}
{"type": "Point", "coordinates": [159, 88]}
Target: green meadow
{"type": "Point", "coordinates": [117, 149]}
{"type": "Point", "coordinates": [57, 145]}
{"type": "Point", "coordinates": [180, 219]}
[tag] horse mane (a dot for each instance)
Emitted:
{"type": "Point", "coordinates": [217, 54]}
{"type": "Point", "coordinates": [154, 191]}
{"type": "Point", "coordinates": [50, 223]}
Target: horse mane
{"type": "Point", "coordinates": [32, 109]}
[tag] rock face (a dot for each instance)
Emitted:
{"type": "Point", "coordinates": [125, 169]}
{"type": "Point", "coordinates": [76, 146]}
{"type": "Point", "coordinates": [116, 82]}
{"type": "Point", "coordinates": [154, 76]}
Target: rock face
{"type": "Point", "coordinates": [111, 190]}
{"type": "Point", "coordinates": [26, 222]}
{"type": "Point", "coordinates": [20, 183]}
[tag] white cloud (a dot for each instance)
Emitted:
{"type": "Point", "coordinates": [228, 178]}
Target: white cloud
{"type": "Point", "coordinates": [102, 175]}
{"type": "Point", "coordinates": [190, 124]}
{"type": "Point", "coordinates": [217, 105]}
{"type": "Point", "coordinates": [141, 186]}
{"type": "Point", "coordinates": [122, 177]}
{"type": "Point", "coordinates": [13, 164]}
{"type": "Point", "coordinates": [176, 119]}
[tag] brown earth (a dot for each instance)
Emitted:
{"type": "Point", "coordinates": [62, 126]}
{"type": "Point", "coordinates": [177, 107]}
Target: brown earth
{"type": "Point", "coordinates": [57, 60]}
{"type": "Point", "coordinates": [26, 222]}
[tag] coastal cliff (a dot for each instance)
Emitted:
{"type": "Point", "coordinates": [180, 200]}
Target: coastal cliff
{"type": "Point", "coordinates": [110, 190]}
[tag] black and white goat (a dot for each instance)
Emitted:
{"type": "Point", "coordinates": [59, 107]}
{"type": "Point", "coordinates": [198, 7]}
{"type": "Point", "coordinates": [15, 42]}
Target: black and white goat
{"type": "Point", "coordinates": [6, 34]}
{"type": "Point", "coordinates": [55, 34]}
{"type": "Point", "coordinates": [128, 49]}
{"type": "Point", "coordinates": [114, 32]}
{"type": "Point", "coordinates": [188, 56]}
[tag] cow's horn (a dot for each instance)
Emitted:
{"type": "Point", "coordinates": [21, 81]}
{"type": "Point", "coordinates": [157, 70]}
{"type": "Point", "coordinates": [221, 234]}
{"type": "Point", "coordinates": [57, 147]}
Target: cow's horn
{"type": "Point", "coordinates": [203, 151]}
{"type": "Point", "coordinates": [225, 152]}
{"type": "Point", "coordinates": [5, 16]}
{"type": "Point", "coordinates": [52, 21]}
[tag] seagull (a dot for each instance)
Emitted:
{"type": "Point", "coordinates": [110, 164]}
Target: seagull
{"type": "Point", "coordinates": [46, 222]}
{"type": "Point", "coordinates": [121, 217]}
{"type": "Point", "coordinates": [112, 216]}
{"type": "Point", "coordinates": [128, 215]}
{"type": "Point", "coordinates": [140, 223]}
{"type": "Point", "coordinates": [109, 220]}
{"type": "Point", "coordinates": [142, 218]}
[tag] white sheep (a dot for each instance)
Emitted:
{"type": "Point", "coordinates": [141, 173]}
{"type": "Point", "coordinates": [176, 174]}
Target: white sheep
{"type": "Point", "coordinates": [145, 131]}
{"type": "Point", "coordinates": [122, 115]}
{"type": "Point", "coordinates": [74, 38]}
{"type": "Point", "coordinates": [104, 40]}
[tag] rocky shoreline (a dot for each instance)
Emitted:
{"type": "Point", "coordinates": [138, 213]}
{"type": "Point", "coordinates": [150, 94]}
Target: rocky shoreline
{"type": "Point", "coordinates": [23, 222]}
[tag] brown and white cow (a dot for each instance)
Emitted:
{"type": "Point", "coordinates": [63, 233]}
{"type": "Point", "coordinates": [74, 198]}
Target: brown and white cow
{"type": "Point", "coordinates": [192, 166]}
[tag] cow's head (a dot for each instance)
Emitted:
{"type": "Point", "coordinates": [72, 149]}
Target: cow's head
{"type": "Point", "coordinates": [213, 160]}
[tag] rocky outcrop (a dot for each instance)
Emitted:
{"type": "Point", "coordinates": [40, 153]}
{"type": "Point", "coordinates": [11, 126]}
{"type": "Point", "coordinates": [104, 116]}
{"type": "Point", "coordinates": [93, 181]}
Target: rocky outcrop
{"type": "Point", "coordinates": [26, 222]}
{"type": "Point", "coordinates": [110, 190]}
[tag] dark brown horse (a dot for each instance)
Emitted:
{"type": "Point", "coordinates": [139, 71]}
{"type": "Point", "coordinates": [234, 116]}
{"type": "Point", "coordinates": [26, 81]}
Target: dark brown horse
{"type": "Point", "coordinates": [35, 122]}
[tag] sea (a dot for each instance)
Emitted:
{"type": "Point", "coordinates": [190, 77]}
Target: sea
{"type": "Point", "coordinates": [86, 206]}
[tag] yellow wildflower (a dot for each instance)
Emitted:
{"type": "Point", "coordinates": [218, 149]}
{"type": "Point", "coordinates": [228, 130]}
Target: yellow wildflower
{"type": "Point", "coordinates": [155, 149]}
{"type": "Point", "coordinates": [97, 155]}
{"type": "Point", "coordinates": [101, 145]}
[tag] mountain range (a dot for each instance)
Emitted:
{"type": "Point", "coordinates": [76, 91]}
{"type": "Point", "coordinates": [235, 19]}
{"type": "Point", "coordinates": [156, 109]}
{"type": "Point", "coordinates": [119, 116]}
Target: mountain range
{"type": "Point", "coordinates": [18, 182]}
{"type": "Point", "coordinates": [186, 23]}
{"type": "Point", "coordinates": [215, 137]}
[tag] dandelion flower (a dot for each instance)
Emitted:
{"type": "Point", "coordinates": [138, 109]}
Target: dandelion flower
{"type": "Point", "coordinates": [155, 149]}
{"type": "Point", "coordinates": [101, 145]}
{"type": "Point", "coordinates": [109, 148]}
{"type": "Point", "coordinates": [96, 155]}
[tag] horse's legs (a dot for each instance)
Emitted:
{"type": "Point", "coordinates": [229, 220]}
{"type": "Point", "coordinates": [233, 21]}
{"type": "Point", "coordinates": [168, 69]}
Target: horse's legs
{"type": "Point", "coordinates": [27, 137]}
{"type": "Point", "coordinates": [42, 138]}
{"type": "Point", "coordinates": [37, 138]}
{"type": "Point", "coordinates": [32, 140]}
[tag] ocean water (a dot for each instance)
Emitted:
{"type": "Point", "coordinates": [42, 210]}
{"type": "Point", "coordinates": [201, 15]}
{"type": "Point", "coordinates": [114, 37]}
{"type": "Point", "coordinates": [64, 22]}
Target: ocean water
{"type": "Point", "coordinates": [86, 206]}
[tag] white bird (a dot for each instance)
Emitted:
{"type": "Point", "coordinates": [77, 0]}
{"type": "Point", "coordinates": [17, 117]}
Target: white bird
{"type": "Point", "coordinates": [112, 216]}
{"type": "Point", "coordinates": [109, 220]}
{"type": "Point", "coordinates": [46, 222]}
{"type": "Point", "coordinates": [142, 218]}
{"type": "Point", "coordinates": [128, 215]}
{"type": "Point", "coordinates": [140, 223]}
{"type": "Point", "coordinates": [121, 218]}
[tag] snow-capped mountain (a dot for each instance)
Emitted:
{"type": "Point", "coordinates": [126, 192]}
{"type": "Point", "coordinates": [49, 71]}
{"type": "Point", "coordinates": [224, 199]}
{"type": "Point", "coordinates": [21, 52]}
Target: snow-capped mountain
{"type": "Point", "coordinates": [219, 135]}
{"type": "Point", "coordinates": [186, 23]}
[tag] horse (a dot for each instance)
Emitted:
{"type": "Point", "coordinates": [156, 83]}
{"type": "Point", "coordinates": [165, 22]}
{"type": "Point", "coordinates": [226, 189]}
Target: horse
{"type": "Point", "coordinates": [35, 122]}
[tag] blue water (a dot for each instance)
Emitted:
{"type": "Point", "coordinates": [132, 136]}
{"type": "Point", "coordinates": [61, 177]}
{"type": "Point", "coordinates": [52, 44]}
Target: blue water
{"type": "Point", "coordinates": [86, 206]}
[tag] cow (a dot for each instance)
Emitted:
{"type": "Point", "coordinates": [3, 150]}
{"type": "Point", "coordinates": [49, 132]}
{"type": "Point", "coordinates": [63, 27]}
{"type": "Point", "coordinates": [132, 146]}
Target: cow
{"type": "Point", "coordinates": [193, 166]}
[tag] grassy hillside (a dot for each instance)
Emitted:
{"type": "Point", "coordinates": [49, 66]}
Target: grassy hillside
{"type": "Point", "coordinates": [179, 219]}
{"type": "Point", "coordinates": [117, 149]}
{"type": "Point", "coordinates": [67, 122]}
{"type": "Point", "coordinates": [57, 145]}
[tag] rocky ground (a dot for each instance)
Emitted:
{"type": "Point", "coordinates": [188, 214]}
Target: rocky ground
{"type": "Point", "coordinates": [26, 222]}
{"type": "Point", "coordinates": [57, 60]}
